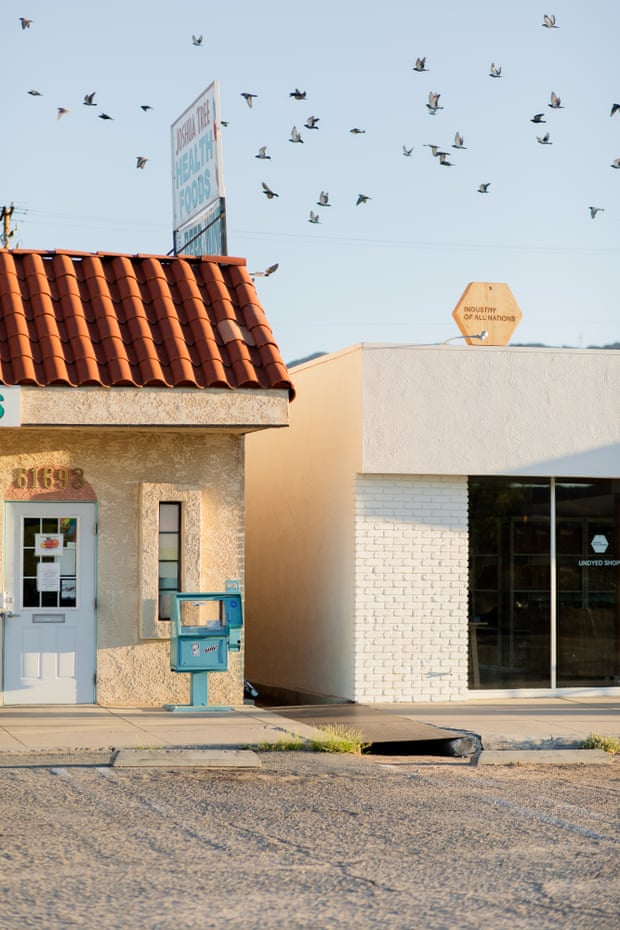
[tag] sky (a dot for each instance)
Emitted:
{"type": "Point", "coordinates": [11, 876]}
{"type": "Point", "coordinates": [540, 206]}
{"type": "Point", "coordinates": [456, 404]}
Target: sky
{"type": "Point", "coordinates": [392, 269]}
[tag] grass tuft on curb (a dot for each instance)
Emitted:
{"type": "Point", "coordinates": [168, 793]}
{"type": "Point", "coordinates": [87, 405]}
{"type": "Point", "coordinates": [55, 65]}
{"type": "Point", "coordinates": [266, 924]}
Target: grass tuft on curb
{"type": "Point", "coordinates": [609, 744]}
{"type": "Point", "coordinates": [332, 738]}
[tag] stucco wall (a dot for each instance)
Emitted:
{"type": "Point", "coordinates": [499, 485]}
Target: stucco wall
{"type": "Point", "coordinates": [129, 473]}
{"type": "Point", "coordinates": [300, 537]}
{"type": "Point", "coordinates": [490, 410]}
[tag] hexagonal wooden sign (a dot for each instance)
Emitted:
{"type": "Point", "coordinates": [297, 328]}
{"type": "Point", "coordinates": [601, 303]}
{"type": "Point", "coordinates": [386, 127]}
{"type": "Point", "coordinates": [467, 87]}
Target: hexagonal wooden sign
{"type": "Point", "coordinates": [489, 308]}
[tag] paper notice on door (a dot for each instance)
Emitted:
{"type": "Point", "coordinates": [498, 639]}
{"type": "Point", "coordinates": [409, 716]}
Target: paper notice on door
{"type": "Point", "coordinates": [48, 543]}
{"type": "Point", "coordinates": [48, 576]}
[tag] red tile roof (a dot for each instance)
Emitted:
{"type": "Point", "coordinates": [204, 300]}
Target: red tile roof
{"type": "Point", "coordinates": [81, 318]}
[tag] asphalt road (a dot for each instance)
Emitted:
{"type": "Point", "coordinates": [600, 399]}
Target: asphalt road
{"type": "Point", "coordinates": [311, 841]}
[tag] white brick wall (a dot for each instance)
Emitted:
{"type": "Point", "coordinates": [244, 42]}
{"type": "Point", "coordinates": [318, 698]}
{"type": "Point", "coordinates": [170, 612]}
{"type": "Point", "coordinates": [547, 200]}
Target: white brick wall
{"type": "Point", "coordinates": [411, 577]}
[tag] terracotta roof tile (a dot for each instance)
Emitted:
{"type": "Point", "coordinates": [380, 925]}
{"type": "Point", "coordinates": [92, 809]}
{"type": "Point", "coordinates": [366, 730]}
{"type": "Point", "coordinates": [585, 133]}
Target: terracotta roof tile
{"type": "Point", "coordinates": [108, 319]}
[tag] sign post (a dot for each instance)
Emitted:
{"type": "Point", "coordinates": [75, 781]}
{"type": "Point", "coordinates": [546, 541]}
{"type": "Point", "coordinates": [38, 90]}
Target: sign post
{"type": "Point", "coordinates": [489, 307]}
{"type": "Point", "coordinates": [198, 213]}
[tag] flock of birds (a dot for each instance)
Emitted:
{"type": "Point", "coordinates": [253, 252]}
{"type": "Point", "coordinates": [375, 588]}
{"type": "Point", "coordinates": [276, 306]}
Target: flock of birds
{"type": "Point", "coordinates": [311, 124]}
{"type": "Point", "coordinates": [433, 106]}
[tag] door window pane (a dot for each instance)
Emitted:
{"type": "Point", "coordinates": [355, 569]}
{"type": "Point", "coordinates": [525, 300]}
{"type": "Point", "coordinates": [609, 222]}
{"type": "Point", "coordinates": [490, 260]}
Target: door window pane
{"type": "Point", "coordinates": [510, 565]}
{"type": "Point", "coordinates": [588, 577]}
{"type": "Point", "coordinates": [36, 593]}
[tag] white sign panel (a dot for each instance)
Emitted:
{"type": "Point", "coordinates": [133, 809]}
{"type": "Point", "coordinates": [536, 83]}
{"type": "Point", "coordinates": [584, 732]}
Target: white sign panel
{"type": "Point", "coordinates": [10, 406]}
{"type": "Point", "coordinates": [204, 235]}
{"type": "Point", "coordinates": [197, 158]}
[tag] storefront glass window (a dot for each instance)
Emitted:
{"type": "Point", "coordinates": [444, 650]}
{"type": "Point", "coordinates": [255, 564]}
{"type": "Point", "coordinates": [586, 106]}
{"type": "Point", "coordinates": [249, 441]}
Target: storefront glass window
{"type": "Point", "coordinates": [543, 604]}
{"type": "Point", "coordinates": [169, 555]}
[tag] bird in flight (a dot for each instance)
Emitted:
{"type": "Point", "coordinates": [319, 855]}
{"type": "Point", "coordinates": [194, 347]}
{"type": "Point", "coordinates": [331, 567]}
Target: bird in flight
{"type": "Point", "coordinates": [314, 217]}
{"type": "Point", "coordinates": [268, 192]}
{"type": "Point", "coordinates": [555, 102]}
{"type": "Point", "coordinates": [433, 103]}
{"type": "Point", "coordinates": [196, 40]}
{"type": "Point", "coordinates": [323, 200]}
{"type": "Point", "coordinates": [496, 70]}
{"type": "Point", "coordinates": [146, 107]}
{"type": "Point", "coordinates": [484, 188]}
{"type": "Point", "coordinates": [25, 22]}
{"type": "Point", "coordinates": [312, 122]}
{"type": "Point", "coordinates": [458, 142]}
{"type": "Point", "coordinates": [595, 210]}
{"type": "Point", "coordinates": [61, 111]}
{"type": "Point", "coordinates": [407, 152]}
{"type": "Point", "coordinates": [141, 161]}
{"type": "Point", "coordinates": [420, 64]}
{"type": "Point", "coordinates": [357, 132]}
{"type": "Point", "coordinates": [249, 98]}
{"type": "Point", "coordinates": [295, 137]}
{"type": "Point", "coordinates": [35, 93]}
{"type": "Point", "coordinates": [549, 21]}
{"type": "Point", "coordinates": [544, 140]}
{"type": "Point", "coordinates": [538, 118]}
{"type": "Point", "coordinates": [362, 198]}
{"type": "Point", "coordinates": [105, 116]}
{"type": "Point", "coordinates": [271, 269]}
{"type": "Point", "coordinates": [298, 94]}
{"type": "Point", "coordinates": [434, 149]}
{"type": "Point", "coordinates": [614, 108]}
{"type": "Point", "coordinates": [262, 152]}
{"type": "Point", "coordinates": [615, 163]}
{"type": "Point", "coordinates": [443, 159]}
{"type": "Point", "coordinates": [89, 100]}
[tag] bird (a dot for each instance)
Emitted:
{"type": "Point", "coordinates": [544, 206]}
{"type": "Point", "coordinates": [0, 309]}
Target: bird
{"type": "Point", "coordinates": [443, 159]}
{"type": "Point", "coordinates": [549, 21]}
{"type": "Point", "coordinates": [323, 200]}
{"type": "Point", "coordinates": [196, 40]}
{"type": "Point", "coordinates": [61, 111]}
{"type": "Point", "coordinates": [25, 22]}
{"type": "Point", "coordinates": [362, 198]}
{"type": "Point", "coordinates": [496, 70]}
{"type": "Point", "coordinates": [89, 100]}
{"type": "Point", "coordinates": [314, 217]}
{"type": "Point", "coordinates": [407, 152]}
{"type": "Point", "coordinates": [224, 122]}
{"type": "Point", "coordinates": [458, 142]}
{"type": "Point", "coordinates": [614, 108]}
{"type": "Point", "coordinates": [434, 148]}
{"type": "Point", "coordinates": [484, 188]}
{"type": "Point", "coordinates": [295, 137]}
{"type": "Point", "coordinates": [312, 122]}
{"type": "Point", "coordinates": [146, 107]}
{"type": "Point", "coordinates": [433, 103]}
{"type": "Point", "coordinates": [544, 140]}
{"type": "Point", "coordinates": [298, 94]}
{"type": "Point", "coordinates": [105, 116]}
{"type": "Point", "coordinates": [262, 152]}
{"type": "Point", "coordinates": [141, 161]}
{"type": "Point", "coordinates": [615, 163]}
{"type": "Point", "coordinates": [271, 270]}
{"type": "Point", "coordinates": [538, 118]}
{"type": "Point", "coordinates": [555, 102]}
{"type": "Point", "coordinates": [268, 192]}
{"type": "Point", "coordinates": [357, 132]}
{"type": "Point", "coordinates": [35, 93]}
{"type": "Point", "coordinates": [420, 65]}
{"type": "Point", "coordinates": [249, 98]}
{"type": "Point", "coordinates": [595, 210]}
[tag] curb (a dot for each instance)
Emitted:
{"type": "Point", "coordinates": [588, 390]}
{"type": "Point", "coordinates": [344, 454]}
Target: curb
{"type": "Point", "coordinates": [544, 757]}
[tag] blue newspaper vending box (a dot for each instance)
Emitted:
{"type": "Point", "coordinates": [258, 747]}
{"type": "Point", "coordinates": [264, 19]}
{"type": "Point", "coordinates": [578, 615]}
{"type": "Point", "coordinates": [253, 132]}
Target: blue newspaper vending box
{"type": "Point", "coordinates": [204, 629]}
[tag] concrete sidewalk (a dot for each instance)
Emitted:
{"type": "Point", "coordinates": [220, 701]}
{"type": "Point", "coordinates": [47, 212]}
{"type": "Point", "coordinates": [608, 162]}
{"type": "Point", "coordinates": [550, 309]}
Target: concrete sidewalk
{"type": "Point", "coordinates": [537, 723]}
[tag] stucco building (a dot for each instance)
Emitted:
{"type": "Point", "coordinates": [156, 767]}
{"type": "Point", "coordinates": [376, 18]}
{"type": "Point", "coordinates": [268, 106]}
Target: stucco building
{"type": "Point", "coordinates": [438, 522]}
{"type": "Point", "coordinates": [128, 386]}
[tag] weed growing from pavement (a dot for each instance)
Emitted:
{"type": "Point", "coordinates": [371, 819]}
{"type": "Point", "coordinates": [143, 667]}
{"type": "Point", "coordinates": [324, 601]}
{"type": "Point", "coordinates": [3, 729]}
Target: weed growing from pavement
{"type": "Point", "coordinates": [609, 744]}
{"type": "Point", "coordinates": [333, 738]}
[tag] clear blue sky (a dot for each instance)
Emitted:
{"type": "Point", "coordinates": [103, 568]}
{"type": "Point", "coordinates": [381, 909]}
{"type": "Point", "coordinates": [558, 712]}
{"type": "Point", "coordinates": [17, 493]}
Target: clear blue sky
{"type": "Point", "coordinates": [392, 269]}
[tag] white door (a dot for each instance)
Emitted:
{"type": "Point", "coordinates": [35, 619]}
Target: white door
{"type": "Point", "coordinates": [49, 626]}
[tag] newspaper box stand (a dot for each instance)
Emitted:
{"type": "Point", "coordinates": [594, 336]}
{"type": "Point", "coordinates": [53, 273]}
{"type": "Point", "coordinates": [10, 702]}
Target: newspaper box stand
{"type": "Point", "coordinates": [204, 630]}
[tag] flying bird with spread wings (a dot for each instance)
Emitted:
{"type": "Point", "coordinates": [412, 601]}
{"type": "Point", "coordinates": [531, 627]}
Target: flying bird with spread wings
{"type": "Point", "coordinates": [595, 210]}
{"type": "Point", "coordinates": [555, 102]}
{"type": "Point", "coordinates": [458, 142]}
{"type": "Point", "coordinates": [549, 21]}
{"type": "Point", "coordinates": [61, 111]}
{"type": "Point", "coordinates": [35, 93]}
{"type": "Point", "coordinates": [323, 200]}
{"type": "Point", "coordinates": [268, 192]}
{"type": "Point", "coordinates": [25, 22]}
{"type": "Point", "coordinates": [496, 70]}
{"type": "Point", "coordinates": [433, 103]}
{"type": "Point", "coordinates": [298, 94]}
{"type": "Point", "coordinates": [362, 198]}
{"type": "Point", "coordinates": [484, 188]}
{"type": "Point", "coordinates": [407, 152]}
{"type": "Point", "coordinates": [538, 118]}
{"type": "Point", "coordinates": [544, 140]}
{"type": "Point", "coordinates": [262, 152]}
{"type": "Point", "coordinates": [196, 40]}
{"type": "Point", "coordinates": [312, 122]}
{"type": "Point", "coordinates": [249, 98]}
{"type": "Point", "coordinates": [314, 217]}
{"type": "Point", "coordinates": [295, 137]}
{"type": "Point", "coordinates": [89, 99]}
{"type": "Point", "coordinates": [141, 161]}
{"type": "Point", "coordinates": [420, 65]}
{"type": "Point", "coordinates": [614, 108]}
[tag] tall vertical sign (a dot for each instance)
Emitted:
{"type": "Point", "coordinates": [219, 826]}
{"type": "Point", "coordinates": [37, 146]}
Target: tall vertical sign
{"type": "Point", "coordinates": [198, 212]}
